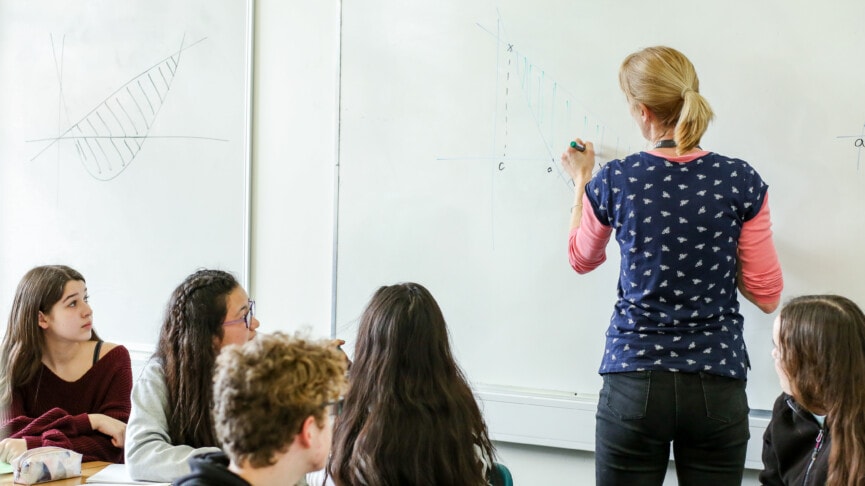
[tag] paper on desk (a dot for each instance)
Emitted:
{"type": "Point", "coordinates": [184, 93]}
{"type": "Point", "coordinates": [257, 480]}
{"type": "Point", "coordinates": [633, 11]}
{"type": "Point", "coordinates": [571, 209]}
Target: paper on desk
{"type": "Point", "coordinates": [5, 468]}
{"type": "Point", "coordinates": [115, 474]}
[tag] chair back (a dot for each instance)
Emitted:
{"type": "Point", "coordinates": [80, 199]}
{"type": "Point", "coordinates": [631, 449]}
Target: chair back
{"type": "Point", "coordinates": [502, 476]}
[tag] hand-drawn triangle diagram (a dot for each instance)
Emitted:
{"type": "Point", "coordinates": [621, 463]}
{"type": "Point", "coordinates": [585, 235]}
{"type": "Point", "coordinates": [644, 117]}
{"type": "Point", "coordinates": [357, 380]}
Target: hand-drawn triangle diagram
{"type": "Point", "coordinates": [108, 138]}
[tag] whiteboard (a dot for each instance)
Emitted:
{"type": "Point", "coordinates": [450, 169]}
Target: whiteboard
{"type": "Point", "coordinates": [453, 116]}
{"type": "Point", "coordinates": [124, 148]}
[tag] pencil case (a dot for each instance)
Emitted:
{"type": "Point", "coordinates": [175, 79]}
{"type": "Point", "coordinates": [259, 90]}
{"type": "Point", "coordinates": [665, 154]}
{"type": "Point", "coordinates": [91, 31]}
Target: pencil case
{"type": "Point", "coordinates": [46, 464]}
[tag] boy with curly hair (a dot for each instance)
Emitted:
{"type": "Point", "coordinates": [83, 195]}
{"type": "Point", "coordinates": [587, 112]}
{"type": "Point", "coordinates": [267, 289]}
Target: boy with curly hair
{"type": "Point", "coordinates": [274, 402]}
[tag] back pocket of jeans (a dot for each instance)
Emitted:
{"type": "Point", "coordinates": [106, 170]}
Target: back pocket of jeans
{"type": "Point", "coordinates": [627, 394]}
{"type": "Point", "coordinates": [725, 398]}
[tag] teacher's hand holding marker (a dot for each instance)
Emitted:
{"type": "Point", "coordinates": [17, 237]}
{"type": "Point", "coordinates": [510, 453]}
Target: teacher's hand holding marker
{"type": "Point", "coordinates": [578, 161]}
{"type": "Point", "coordinates": [692, 227]}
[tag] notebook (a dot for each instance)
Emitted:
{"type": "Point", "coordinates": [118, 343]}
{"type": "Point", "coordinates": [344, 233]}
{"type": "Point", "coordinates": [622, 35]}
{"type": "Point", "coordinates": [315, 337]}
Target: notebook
{"type": "Point", "coordinates": [115, 474]}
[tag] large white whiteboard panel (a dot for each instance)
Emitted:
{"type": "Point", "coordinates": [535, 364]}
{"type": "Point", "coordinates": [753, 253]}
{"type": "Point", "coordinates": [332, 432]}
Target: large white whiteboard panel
{"type": "Point", "coordinates": [453, 117]}
{"type": "Point", "coordinates": [124, 148]}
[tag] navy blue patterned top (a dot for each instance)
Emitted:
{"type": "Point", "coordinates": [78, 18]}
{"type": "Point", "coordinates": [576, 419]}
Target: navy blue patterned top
{"type": "Point", "coordinates": [678, 226]}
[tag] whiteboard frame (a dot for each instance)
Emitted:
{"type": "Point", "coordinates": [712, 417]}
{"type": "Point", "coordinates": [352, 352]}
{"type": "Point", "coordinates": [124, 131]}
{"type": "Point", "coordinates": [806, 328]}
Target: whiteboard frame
{"type": "Point", "coordinates": [246, 272]}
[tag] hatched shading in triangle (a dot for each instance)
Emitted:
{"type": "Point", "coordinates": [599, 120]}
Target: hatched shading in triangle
{"type": "Point", "coordinates": [109, 138]}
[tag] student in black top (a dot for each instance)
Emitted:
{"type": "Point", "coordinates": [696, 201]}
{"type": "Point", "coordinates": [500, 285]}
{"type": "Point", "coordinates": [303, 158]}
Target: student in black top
{"type": "Point", "coordinates": [817, 432]}
{"type": "Point", "coordinates": [275, 399]}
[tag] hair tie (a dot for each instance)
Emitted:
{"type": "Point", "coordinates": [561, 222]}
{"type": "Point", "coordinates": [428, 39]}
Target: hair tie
{"type": "Point", "coordinates": [686, 90]}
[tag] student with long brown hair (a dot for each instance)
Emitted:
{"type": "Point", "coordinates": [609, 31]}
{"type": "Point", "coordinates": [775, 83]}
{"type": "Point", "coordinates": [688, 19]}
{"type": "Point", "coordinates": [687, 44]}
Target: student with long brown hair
{"type": "Point", "coordinates": [172, 399]}
{"type": "Point", "coordinates": [61, 385]}
{"type": "Point", "coordinates": [817, 432]}
{"type": "Point", "coordinates": [409, 417]}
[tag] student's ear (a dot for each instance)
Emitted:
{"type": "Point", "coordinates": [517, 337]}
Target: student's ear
{"type": "Point", "coordinates": [43, 322]}
{"type": "Point", "coordinates": [308, 431]}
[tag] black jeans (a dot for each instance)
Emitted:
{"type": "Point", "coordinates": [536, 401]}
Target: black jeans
{"type": "Point", "coordinates": [640, 413]}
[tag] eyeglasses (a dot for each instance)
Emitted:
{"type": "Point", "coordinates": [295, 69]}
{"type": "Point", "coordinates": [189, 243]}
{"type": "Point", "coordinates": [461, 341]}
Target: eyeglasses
{"type": "Point", "coordinates": [246, 319]}
{"type": "Point", "coordinates": [336, 407]}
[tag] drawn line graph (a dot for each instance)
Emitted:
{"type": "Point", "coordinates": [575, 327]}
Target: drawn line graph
{"type": "Point", "coordinates": [111, 135]}
{"type": "Point", "coordinates": [525, 89]}
{"type": "Point", "coordinates": [554, 111]}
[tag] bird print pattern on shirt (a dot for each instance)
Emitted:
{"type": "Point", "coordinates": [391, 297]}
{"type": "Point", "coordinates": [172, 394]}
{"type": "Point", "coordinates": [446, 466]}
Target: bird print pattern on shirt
{"type": "Point", "coordinates": [678, 226]}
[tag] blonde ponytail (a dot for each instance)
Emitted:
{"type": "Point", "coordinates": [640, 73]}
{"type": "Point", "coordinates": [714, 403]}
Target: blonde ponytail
{"type": "Point", "coordinates": [693, 120]}
{"type": "Point", "coordinates": [664, 80]}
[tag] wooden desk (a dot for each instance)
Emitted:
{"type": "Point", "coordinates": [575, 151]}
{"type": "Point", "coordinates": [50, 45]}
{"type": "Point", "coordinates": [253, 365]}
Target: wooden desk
{"type": "Point", "coordinates": [87, 469]}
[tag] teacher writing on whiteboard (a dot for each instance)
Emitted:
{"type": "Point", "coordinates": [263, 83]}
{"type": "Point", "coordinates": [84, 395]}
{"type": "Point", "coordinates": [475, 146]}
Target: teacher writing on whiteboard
{"type": "Point", "coordinates": [692, 227]}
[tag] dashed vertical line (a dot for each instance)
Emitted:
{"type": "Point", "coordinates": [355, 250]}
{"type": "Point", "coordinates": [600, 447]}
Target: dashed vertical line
{"type": "Point", "coordinates": [507, 112]}
{"type": "Point", "coordinates": [553, 113]}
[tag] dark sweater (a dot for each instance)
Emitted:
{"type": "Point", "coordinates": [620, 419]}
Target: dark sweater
{"type": "Point", "coordinates": [49, 411]}
{"type": "Point", "coordinates": [789, 446]}
{"type": "Point", "coordinates": [210, 470]}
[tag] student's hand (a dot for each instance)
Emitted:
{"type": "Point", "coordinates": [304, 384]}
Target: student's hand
{"type": "Point", "coordinates": [109, 426]}
{"type": "Point", "coordinates": [578, 164]}
{"type": "Point", "coordinates": [11, 448]}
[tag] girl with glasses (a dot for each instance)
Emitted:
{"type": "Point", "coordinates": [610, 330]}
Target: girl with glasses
{"type": "Point", "coordinates": [171, 401]}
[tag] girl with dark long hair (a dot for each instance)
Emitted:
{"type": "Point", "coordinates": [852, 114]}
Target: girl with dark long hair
{"type": "Point", "coordinates": [171, 401]}
{"type": "Point", "coordinates": [410, 417]}
{"type": "Point", "coordinates": [817, 431]}
{"type": "Point", "coordinates": [61, 385]}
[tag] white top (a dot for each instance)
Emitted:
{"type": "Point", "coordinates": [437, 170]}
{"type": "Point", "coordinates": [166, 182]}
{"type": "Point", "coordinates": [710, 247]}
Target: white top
{"type": "Point", "coordinates": [149, 453]}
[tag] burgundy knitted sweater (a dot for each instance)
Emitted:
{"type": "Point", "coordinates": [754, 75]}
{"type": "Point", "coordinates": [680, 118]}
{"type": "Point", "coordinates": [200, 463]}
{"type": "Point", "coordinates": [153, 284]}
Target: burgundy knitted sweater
{"type": "Point", "coordinates": [49, 411]}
